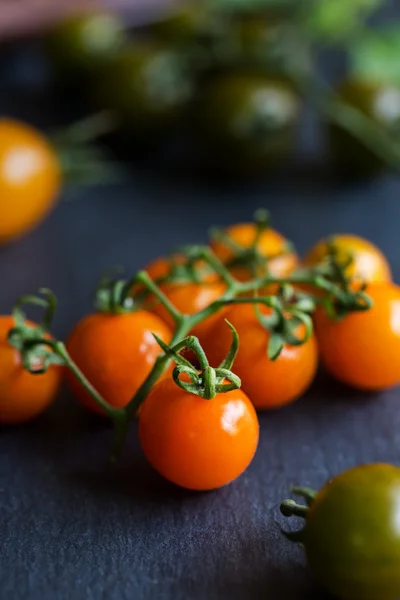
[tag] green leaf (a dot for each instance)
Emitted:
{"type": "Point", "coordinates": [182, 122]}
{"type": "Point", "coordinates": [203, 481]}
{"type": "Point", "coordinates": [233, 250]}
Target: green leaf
{"type": "Point", "coordinates": [275, 346]}
{"type": "Point", "coordinates": [375, 57]}
{"type": "Point", "coordinates": [335, 20]}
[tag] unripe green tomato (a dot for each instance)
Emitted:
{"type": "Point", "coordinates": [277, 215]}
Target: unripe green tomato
{"type": "Point", "coordinates": [147, 85]}
{"type": "Point", "coordinates": [381, 103]}
{"type": "Point", "coordinates": [352, 534]}
{"type": "Point", "coordinates": [269, 43]}
{"type": "Point", "coordinates": [245, 122]}
{"type": "Point", "coordinates": [83, 42]}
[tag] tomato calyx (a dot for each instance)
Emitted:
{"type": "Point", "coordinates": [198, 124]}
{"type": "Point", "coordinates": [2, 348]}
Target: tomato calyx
{"type": "Point", "coordinates": [32, 341]}
{"type": "Point", "coordinates": [83, 162]}
{"type": "Point", "coordinates": [183, 267]}
{"type": "Point", "coordinates": [288, 314]}
{"type": "Point", "coordinates": [112, 294]}
{"type": "Point", "coordinates": [290, 508]}
{"type": "Point", "coordinates": [205, 382]}
{"type": "Point", "coordinates": [349, 293]}
{"type": "Point", "coordinates": [250, 257]}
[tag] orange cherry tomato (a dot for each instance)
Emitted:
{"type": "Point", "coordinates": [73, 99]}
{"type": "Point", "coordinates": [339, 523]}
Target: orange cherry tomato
{"type": "Point", "coordinates": [271, 245]}
{"type": "Point", "coordinates": [23, 396]}
{"type": "Point", "coordinates": [191, 298]}
{"type": "Point", "coordinates": [363, 349]}
{"type": "Point", "coordinates": [30, 178]}
{"type": "Point", "coordinates": [369, 263]}
{"type": "Point", "coordinates": [115, 353]}
{"type": "Point", "coordinates": [269, 384]}
{"type": "Point", "coordinates": [195, 443]}
{"type": "Point", "coordinates": [188, 298]}
{"type": "Point", "coordinates": [160, 268]}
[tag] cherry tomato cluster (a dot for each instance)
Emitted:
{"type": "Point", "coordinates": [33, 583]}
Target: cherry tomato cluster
{"type": "Point", "coordinates": [197, 342]}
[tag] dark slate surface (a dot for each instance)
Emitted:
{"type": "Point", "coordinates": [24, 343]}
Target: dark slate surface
{"type": "Point", "coordinates": [73, 527]}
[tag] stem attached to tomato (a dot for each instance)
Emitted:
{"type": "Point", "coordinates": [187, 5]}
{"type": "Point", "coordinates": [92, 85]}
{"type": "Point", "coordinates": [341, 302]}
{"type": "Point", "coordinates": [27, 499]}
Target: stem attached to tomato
{"type": "Point", "coordinates": [144, 278]}
{"type": "Point", "coordinates": [185, 323]}
{"type": "Point", "coordinates": [288, 310]}
{"type": "Point", "coordinates": [60, 349]}
{"type": "Point", "coordinates": [370, 133]}
{"type": "Point", "coordinates": [290, 508]}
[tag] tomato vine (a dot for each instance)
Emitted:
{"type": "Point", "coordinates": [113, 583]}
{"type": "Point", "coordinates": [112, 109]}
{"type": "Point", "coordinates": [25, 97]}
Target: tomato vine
{"type": "Point", "coordinates": [289, 307]}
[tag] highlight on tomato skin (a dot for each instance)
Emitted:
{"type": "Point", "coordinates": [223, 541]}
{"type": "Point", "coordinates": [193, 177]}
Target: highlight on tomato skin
{"type": "Point", "coordinates": [115, 352]}
{"type": "Point", "coordinates": [269, 384]}
{"type": "Point", "coordinates": [195, 443]}
{"type": "Point", "coordinates": [362, 349]}
{"type": "Point", "coordinates": [368, 264]}
{"type": "Point", "coordinates": [30, 178]}
{"type": "Point", "coordinates": [23, 396]}
{"type": "Point", "coordinates": [271, 244]}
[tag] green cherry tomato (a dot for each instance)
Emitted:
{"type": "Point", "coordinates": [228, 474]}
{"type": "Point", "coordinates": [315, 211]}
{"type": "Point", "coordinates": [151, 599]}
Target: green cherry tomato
{"type": "Point", "coordinates": [380, 102]}
{"type": "Point", "coordinates": [147, 85]}
{"type": "Point", "coordinates": [269, 43]}
{"type": "Point", "coordinates": [203, 34]}
{"type": "Point", "coordinates": [83, 42]}
{"type": "Point", "coordinates": [352, 534]}
{"type": "Point", "coordinates": [245, 122]}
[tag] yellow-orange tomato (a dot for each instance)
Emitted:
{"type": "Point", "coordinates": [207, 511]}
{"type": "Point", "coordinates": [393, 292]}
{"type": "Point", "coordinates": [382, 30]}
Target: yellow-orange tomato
{"type": "Point", "coordinates": [188, 298]}
{"type": "Point", "coordinates": [191, 298]}
{"type": "Point", "coordinates": [268, 384]}
{"type": "Point", "coordinates": [161, 267]}
{"type": "Point", "coordinates": [115, 353]}
{"type": "Point", "coordinates": [363, 349]}
{"type": "Point", "coordinates": [271, 245]}
{"type": "Point", "coordinates": [30, 178]}
{"type": "Point", "coordinates": [195, 443]}
{"type": "Point", "coordinates": [369, 263]}
{"type": "Point", "coordinates": [23, 396]}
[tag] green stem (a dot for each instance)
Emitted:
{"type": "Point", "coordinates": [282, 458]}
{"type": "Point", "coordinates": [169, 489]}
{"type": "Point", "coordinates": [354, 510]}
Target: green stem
{"type": "Point", "coordinates": [304, 492]}
{"type": "Point", "coordinates": [60, 349]}
{"type": "Point", "coordinates": [213, 261]}
{"type": "Point", "coordinates": [144, 278]}
{"type": "Point", "coordinates": [160, 366]}
{"type": "Point", "coordinates": [350, 118]}
{"type": "Point", "coordinates": [289, 508]}
{"type": "Point", "coordinates": [88, 129]}
{"type": "Point", "coordinates": [121, 427]}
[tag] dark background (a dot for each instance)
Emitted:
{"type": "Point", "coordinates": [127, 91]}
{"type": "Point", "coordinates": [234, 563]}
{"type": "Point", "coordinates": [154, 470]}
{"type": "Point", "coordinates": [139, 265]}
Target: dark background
{"type": "Point", "coordinates": [74, 527]}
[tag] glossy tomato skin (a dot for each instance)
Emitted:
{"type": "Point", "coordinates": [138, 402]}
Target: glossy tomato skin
{"type": "Point", "coordinates": [362, 350]}
{"type": "Point", "coordinates": [195, 443]}
{"type": "Point", "coordinates": [369, 263]}
{"type": "Point", "coordinates": [115, 353]}
{"type": "Point", "coordinates": [23, 396]}
{"type": "Point", "coordinates": [379, 102]}
{"type": "Point", "coordinates": [245, 123]}
{"type": "Point", "coordinates": [271, 244]}
{"type": "Point", "coordinates": [30, 178]}
{"type": "Point", "coordinates": [352, 538]}
{"type": "Point", "coordinates": [269, 384]}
